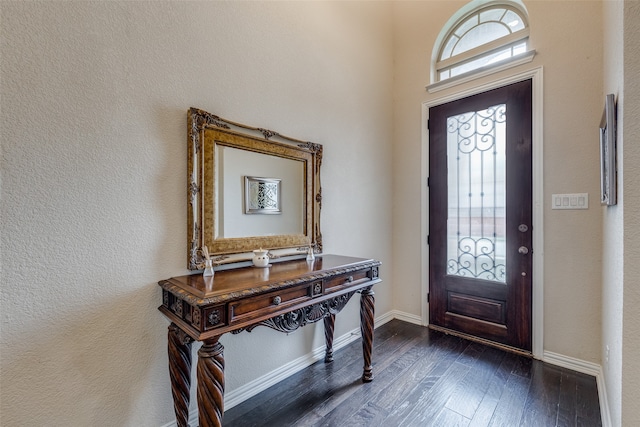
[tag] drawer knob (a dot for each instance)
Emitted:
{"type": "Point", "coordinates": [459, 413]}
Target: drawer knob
{"type": "Point", "coordinates": [350, 279]}
{"type": "Point", "coordinates": [277, 300]}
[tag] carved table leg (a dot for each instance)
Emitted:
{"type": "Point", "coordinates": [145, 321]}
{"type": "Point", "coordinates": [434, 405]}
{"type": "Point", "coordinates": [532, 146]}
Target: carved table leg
{"type": "Point", "coordinates": [210, 376]}
{"type": "Point", "coordinates": [180, 372]}
{"type": "Point", "coordinates": [366, 327]}
{"type": "Point", "coordinates": [329, 323]}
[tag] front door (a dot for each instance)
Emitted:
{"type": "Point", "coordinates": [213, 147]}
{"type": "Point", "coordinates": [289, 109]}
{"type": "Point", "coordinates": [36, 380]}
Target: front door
{"type": "Point", "coordinates": [480, 212]}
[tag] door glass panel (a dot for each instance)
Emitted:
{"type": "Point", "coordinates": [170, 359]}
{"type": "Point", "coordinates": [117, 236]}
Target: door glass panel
{"type": "Point", "coordinates": [476, 159]}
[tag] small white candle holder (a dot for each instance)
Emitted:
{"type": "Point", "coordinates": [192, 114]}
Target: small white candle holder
{"type": "Point", "coordinates": [310, 255]}
{"type": "Point", "coordinates": [261, 258]}
{"type": "Point", "coordinates": [208, 268]}
{"type": "Point", "coordinates": [208, 263]}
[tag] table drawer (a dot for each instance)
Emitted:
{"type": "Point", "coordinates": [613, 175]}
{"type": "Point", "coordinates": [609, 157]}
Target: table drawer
{"type": "Point", "coordinates": [266, 304]}
{"type": "Point", "coordinates": [345, 280]}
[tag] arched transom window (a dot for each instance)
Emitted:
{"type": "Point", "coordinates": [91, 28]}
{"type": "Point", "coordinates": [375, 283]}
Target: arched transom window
{"type": "Point", "coordinates": [482, 38]}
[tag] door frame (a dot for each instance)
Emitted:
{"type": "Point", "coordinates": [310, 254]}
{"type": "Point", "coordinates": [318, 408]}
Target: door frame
{"type": "Point", "coordinates": [537, 309]}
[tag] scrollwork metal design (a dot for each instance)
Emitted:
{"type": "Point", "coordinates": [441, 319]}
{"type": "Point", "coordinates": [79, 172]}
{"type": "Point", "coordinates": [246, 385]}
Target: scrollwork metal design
{"type": "Point", "coordinates": [476, 259]}
{"type": "Point", "coordinates": [477, 130]}
{"type": "Point", "coordinates": [474, 139]}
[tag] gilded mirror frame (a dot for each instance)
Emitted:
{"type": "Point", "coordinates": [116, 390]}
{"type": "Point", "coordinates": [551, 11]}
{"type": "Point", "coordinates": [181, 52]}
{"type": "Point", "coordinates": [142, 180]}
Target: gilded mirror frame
{"type": "Point", "coordinates": [205, 131]}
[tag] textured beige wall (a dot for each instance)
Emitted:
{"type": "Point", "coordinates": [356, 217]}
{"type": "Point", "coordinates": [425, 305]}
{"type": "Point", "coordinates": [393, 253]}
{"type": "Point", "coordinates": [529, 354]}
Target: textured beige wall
{"type": "Point", "coordinates": [416, 26]}
{"type": "Point", "coordinates": [94, 100]}
{"type": "Point", "coordinates": [631, 202]}
{"type": "Point", "coordinates": [571, 53]}
{"type": "Point", "coordinates": [621, 238]}
{"type": "Point", "coordinates": [573, 103]}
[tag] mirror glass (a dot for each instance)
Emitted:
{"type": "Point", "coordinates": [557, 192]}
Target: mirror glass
{"type": "Point", "coordinates": [247, 192]}
{"type": "Point", "coordinates": [244, 179]}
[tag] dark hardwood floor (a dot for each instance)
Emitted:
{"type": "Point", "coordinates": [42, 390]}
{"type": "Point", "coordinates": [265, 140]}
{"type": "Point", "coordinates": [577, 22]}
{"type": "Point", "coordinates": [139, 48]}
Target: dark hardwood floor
{"type": "Point", "coordinates": [425, 378]}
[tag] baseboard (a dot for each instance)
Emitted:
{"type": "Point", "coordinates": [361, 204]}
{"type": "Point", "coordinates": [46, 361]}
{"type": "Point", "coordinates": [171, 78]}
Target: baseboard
{"type": "Point", "coordinates": [406, 317]}
{"type": "Point", "coordinates": [574, 364]}
{"type": "Point", "coordinates": [588, 368]}
{"type": "Point", "coordinates": [604, 400]}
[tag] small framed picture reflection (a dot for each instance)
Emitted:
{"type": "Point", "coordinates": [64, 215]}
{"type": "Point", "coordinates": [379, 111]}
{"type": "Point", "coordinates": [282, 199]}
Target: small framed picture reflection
{"type": "Point", "coordinates": [262, 195]}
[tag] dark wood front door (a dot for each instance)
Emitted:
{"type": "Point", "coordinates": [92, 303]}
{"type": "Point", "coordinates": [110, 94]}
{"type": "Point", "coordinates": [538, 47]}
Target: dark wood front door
{"type": "Point", "coordinates": [480, 213]}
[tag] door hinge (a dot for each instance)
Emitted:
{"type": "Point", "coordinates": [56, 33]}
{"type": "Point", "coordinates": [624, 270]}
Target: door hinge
{"type": "Point", "coordinates": [428, 297]}
{"type": "Point", "coordinates": [428, 181]}
{"type": "Point", "coordinates": [428, 122]}
{"type": "Point", "coordinates": [428, 239]}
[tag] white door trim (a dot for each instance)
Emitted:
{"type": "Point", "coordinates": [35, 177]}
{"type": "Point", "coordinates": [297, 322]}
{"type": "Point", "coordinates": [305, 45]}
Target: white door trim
{"type": "Point", "coordinates": [537, 309]}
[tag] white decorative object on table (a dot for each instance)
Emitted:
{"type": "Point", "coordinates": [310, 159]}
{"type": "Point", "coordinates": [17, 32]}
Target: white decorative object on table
{"type": "Point", "coordinates": [261, 257]}
{"type": "Point", "coordinates": [208, 263]}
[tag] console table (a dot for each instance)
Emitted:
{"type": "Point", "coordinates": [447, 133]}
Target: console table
{"type": "Point", "coordinates": [284, 297]}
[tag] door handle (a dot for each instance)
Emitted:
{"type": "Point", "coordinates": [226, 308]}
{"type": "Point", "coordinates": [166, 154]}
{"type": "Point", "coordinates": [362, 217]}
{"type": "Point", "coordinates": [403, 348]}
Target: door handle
{"type": "Point", "coordinates": [523, 250]}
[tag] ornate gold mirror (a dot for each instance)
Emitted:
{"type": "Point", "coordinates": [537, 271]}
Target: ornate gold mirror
{"type": "Point", "coordinates": [248, 192]}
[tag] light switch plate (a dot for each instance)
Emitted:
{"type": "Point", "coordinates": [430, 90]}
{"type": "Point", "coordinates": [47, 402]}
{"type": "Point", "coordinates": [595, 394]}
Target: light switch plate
{"type": "Point", "coordinates": [570, 201]}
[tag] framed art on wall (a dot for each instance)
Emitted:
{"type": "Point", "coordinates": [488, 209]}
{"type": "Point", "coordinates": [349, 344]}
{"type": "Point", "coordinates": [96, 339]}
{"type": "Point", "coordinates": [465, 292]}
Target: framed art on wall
{"type": "Point", "coordinates": [608, 173]}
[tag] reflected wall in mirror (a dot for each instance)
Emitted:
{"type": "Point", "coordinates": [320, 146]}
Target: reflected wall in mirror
{"type": "Point", "coordinates": [282, 214]}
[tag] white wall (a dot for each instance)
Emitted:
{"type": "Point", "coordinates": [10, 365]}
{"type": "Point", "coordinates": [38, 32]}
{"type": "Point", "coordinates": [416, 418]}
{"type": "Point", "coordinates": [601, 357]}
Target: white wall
{"type": "Point", "coordinates": [572, 111]}
{"type": "Point", "coordinates": [94, 101]}
{"type": "Point", "coordinates": [631, 183]}
{"type": "Point", "coordinates": [621, 237]}
{"type": "Point", "coordinates": [93, 124]}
